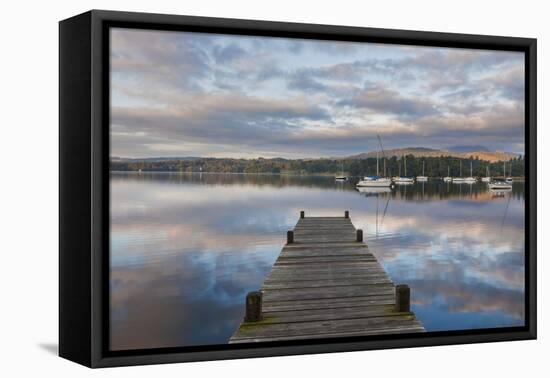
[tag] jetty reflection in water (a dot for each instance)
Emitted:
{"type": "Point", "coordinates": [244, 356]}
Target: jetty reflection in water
{"type": "Point", "coordinates": [186, 248]}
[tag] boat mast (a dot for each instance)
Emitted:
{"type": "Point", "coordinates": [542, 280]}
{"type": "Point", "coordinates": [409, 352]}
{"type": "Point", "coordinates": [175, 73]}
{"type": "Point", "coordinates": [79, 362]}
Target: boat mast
{"type": "Point", "coordinates": [399, 165]}
{"type": "Point", "coordinates": [376, 163]}
{"type": "Point", "coordinates": [383, 154]}
{"type": "Point", "coordinates": [405, 164]}
{"type": "Point", "coordinates": [460, 168]}
{"type": "Point", "coordinates": [471, 169]}
{"type": "Point", "coordinates": [422, 167]}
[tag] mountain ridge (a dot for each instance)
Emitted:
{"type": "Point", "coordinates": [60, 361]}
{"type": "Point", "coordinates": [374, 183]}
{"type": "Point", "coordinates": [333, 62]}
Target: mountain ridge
{"type": "Point", "coordinates": [492, 156]}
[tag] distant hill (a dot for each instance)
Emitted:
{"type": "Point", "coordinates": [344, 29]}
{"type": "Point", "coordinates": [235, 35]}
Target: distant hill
{"type": "Point", "coordinates": [483, 154]}
{"type": "Point", "coordinates": [467, 148]}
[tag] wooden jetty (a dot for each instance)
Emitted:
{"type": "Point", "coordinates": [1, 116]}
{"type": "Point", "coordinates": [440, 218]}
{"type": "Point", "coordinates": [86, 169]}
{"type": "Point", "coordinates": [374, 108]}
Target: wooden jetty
{"type": "Point", "coordinates": [325, 284]}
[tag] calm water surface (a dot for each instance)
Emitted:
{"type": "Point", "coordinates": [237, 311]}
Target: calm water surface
{"type": "Point", "coordinates": [186, 248]}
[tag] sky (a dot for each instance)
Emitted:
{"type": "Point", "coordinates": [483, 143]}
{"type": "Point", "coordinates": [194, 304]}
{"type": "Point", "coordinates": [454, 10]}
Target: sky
{"type": "Point", "coordinates": [211, 95]}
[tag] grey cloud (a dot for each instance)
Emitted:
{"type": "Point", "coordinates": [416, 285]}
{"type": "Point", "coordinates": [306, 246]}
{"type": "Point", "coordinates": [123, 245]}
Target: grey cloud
{"type": "Point", "coordinates": [383, 100]}
{"type": "Point", "coordinates": [224, 54]}
{"type": "Point", "coordinates": [159, 59]}
{"type": "Point", "coordinates": [305, 83]}
{"type": "Point", "coordinates": [233, 120]}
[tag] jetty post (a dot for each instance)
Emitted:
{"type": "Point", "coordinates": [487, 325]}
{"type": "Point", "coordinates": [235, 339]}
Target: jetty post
{"type": "Point", "coordinates": [289, 237]}
{"type": "Point", "coordinates": [402, 298]}
{"type": "Point", "coordinates": [253, 311]}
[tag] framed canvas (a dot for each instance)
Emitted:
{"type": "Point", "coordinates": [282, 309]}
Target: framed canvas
{"type": "Point", "coordinates": [234, 188]}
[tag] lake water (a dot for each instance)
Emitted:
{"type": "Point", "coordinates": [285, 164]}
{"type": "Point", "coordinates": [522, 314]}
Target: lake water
{"type": "Point", "coordinates": [186, 248]}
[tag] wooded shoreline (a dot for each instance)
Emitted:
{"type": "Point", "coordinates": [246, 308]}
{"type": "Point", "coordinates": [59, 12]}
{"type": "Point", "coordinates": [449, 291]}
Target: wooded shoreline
{"type": "Point", "coordinates": [433, 166]}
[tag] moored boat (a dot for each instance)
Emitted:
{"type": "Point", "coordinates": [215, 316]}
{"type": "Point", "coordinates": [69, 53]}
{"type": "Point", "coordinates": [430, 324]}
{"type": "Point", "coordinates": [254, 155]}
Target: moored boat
{"type": "Point", "coordinates": [448, 178]}
{"type": "Point", "coordinates": [341, 177]}
{"type": "Point", "coordinates": [422, 178]}
{"type": "Point", "coordinates": [487, 177]}
{"type": "Point", "coordinates": [470, 179]}
{"type": "Point", "coordinates": [499, 185]}
{"type": "Point", "coordinates": [375, 181]}
{"type": "Point", "coordinates": [459, 179]}
{"type": "Point", "coordinates": [403, 179]}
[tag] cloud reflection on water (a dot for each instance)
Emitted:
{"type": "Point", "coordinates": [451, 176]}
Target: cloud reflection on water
{"type": "Point", "coordinates": [185, 250]}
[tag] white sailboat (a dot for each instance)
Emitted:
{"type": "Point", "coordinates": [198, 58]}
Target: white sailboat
{"type": "Point", "coordinates": [448, 178]}
{"type": "Point", "coordinates": [341, 177]}
{"type": "Point", "coordinates": [422, 178]}
{"type": "Point", "coordinates": [508, 179]}
{"type": "Point", "coordinates": [403, 179]}
{"type": "Point", "coordinates": [471, 179]}
{"type": "Point", "coordinates": [487, 177]}
{"type": "Point", "coordinates": [460, 179]}
{"type": "Point", "coordinates": [500, 184]}
{"type": "Point", "coordinates": [375, 181]}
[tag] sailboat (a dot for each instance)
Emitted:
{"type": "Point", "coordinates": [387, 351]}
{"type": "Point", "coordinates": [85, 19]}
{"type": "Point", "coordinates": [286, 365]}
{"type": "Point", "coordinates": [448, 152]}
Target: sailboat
{"type": "Point", "coordinates": [375, 181]}
{"type": "Point", "coordinates": [422, 178]}
{"type": "Point", "coordinates": [341, 177]}
{"type": "Point", "coordinates": [471, 179]}
{"type": "Point", "coordinates": [459, 179]}
{"type": "Point", "coordinates": [403, 179]}
{"type": "Point", "coordinates": [500, 184]}
{"type": "Point", "coordinates": [487, 177]}
{"type": "Point", "coordinates": [508, 179]}
{"type": "Point", "coordinates": [448, 178]}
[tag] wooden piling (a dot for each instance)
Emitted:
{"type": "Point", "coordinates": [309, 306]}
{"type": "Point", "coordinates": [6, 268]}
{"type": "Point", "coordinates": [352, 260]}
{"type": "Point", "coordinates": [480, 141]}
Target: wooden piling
{"type": "Point", "coordinates": [402, 298]}
{"type": "Point", "coordinates": [302, 214]}
{"type": "Point", "coordinates": [359, 235]}
{"type": "Point", "coordinates": [346, 214]}
{"type": "Point", "coordinates": [253, 307]}
{"type": "Point", "coordinates": [290, 237]}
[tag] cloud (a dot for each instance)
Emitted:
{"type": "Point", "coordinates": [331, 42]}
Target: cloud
{"type": "Point", "coordinates": [224, 54]}
{"type": "Point", "coordinates": [225, 119]}
{"type": "Point", "coordinates": [382, 100]}
{"type": "Point", "coordinates": [198, 93]}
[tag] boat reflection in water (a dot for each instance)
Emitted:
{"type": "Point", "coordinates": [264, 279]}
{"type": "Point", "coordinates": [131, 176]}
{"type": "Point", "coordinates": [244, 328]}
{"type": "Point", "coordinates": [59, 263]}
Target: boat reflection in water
{"type": "Point", "coordinates": [500, 192]}
{"type": "Point", "coordinates": [373, 190]}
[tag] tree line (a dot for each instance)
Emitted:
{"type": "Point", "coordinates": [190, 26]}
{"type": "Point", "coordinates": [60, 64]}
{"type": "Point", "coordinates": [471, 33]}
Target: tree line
{"type": "Point", "coordinates": [433, 166]}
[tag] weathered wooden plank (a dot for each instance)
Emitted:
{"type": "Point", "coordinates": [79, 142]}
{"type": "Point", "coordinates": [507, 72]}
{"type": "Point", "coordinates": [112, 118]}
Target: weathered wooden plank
{"type": "Point", "coordinates": [364, 267]}
{"type": "Point", "coordinates": [289, 337]}
{"type": "Point", "coordinates": [334, 280]}
{"type": "Point", "coordinates": [333, 245]}
{"type": "Point", "coordinates": [333, 313]}
{"type": "Point", "coordinates": [288, 284]}
{"type": "Point", "coordinates": [324, 260]}
{"type": "Point", "coordinates": [328, 292]}
{"type": "Point", "coordinates": [375, 300]}
{"type": "Point", "coordinates": [309, 252]}
{"type": "Point", "coordinates": [267, 329]}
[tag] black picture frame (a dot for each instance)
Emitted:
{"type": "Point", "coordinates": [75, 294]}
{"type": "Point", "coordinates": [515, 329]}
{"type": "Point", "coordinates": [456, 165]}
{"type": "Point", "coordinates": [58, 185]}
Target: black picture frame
{"type": "Point", "coordinates": [84, 186]}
